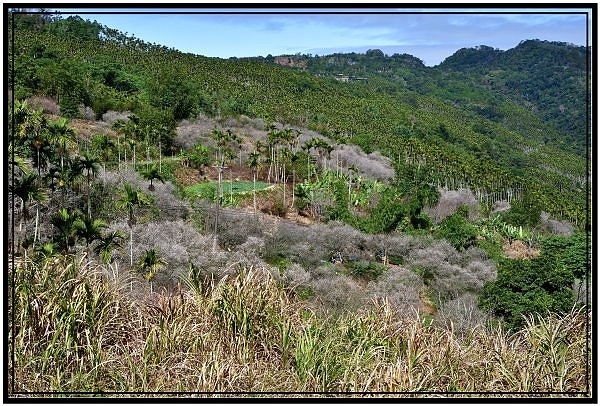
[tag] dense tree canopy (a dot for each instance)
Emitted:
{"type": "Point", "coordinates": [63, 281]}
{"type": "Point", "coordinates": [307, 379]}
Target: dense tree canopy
{"type": "Point", "coordinates": [544, 284]}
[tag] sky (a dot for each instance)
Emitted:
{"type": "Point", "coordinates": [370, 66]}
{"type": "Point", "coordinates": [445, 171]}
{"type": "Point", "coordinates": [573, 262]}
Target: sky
{"type": "Point", "coordinates": [429, 34]}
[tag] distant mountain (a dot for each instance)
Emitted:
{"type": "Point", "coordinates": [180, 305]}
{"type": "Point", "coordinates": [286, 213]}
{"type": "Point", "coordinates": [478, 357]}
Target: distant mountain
{"type": "Point", "coordinates": [547, 79]}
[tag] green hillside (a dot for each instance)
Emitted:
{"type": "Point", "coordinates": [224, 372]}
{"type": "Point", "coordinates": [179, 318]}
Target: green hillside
{"type": "Point", "coordinates": [541, 80]}
{"type": "Point", "coordinates": [546, 78]}
{"type": "Point", "coordinates": [467, 135]}
{"type": "Point", "coordinates": [342, 223]}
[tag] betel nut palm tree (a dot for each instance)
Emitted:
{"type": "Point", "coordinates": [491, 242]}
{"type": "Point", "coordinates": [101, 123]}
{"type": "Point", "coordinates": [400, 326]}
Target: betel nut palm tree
{"type": "Point", "coordinates": [28, 189]}
{"type": "Point", "coordinates": [90, 230]}
{"type": "Point", "coordinates": [129, 199]}
{"type": "Point", "coordinates": [90, 164]}
{"type": "Point", "coordinates": [64, 223]}
{"type": "Point", "coordinates": [150, 264]}
{"type": "Point", "coordinates": [108, 243]}
{"type": "Point", "coordinates": [254, 163]}
{"type": "Point", "coordinates": [62, 136]}
{"type": "Point", "coordinates": [150, 174]}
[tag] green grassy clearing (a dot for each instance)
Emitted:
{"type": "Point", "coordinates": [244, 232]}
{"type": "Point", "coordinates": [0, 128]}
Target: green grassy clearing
{"type": "Point", "coordinates": [233, 192]}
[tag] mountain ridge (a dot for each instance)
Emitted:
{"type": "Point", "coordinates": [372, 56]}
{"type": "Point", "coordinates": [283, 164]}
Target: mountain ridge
{"type": "Point", "coordinates": [542, 76]}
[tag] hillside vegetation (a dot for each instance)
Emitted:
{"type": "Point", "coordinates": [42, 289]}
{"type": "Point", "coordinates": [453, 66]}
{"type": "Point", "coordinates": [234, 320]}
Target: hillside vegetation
{"type": "Point", "coordinates": [87, 333]}
{"type": "Point", "coordinates": [179, 223]}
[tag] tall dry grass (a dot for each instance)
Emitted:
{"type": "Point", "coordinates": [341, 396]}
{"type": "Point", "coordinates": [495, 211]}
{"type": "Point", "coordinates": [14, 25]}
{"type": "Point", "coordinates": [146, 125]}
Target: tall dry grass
{"type": "Point", "coordinates": [77, 327]}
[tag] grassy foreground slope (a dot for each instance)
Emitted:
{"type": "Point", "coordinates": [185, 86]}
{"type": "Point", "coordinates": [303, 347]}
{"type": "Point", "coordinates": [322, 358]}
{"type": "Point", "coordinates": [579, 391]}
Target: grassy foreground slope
{"type": "Point", "coordinates": [79, 330]}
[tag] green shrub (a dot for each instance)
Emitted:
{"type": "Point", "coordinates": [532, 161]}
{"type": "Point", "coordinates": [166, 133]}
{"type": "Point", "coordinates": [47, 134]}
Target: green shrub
{"type": "Point", "coordinates": [304, 292]}
{"type": "Point", "coordinates": [199, 156]}
{"type": "Point", "coordinates": [529, 287]}
{"type": "Point", "coordinates": [458, 230]}
{"type": "Point", "coordinates": [571, 252]}
{"type": "Point", "coordinates": [365, 269]}
{"type": "Point", "coordinates": [524, 212]}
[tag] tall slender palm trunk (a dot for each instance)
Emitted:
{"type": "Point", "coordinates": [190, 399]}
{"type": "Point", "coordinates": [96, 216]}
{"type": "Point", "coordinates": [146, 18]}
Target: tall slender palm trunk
{"type": "Point", "coordinates": [293, 186]}
{"type": "Point", "coordinates": [37, 221]}
{"type": "Point", "coordinates": [131, 236]}
{"type": "Point", "coordinates": [284, 185]}
{"type": "Point", "coordinates": [130, 245]}
{"type": "Point", "coordinates": [39, 165]}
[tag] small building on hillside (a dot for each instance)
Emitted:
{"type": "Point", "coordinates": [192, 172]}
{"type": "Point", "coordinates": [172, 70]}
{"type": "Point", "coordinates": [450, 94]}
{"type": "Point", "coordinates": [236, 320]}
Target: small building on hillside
{"type": "Point", "coordinates": [342, 78]}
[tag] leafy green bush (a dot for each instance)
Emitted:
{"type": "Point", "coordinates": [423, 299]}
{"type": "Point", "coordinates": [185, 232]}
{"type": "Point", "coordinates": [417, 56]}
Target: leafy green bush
{"type": "Point", "coordinates": [524, 212]}
{"type": "Point", "coordinates": [458, 230]}
{"type": "Point", "coordinates": [69, 107]}
{"type": "Point", "coordinates": [199, 156]}
{"type": "Point", "coordinates": [571, 253]}
{"type": "Point", "coordinates": [385, 216]}
{"type": "Point", "coordinates": [365, 269]}
{"type": "Point", "coordinates": [529, 287]}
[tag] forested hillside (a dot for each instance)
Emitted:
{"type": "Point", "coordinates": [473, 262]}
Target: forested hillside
{"type": "Point", "coordinates": [316, 226]}
{"type": "Point", "coordinates": [540, 79]}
